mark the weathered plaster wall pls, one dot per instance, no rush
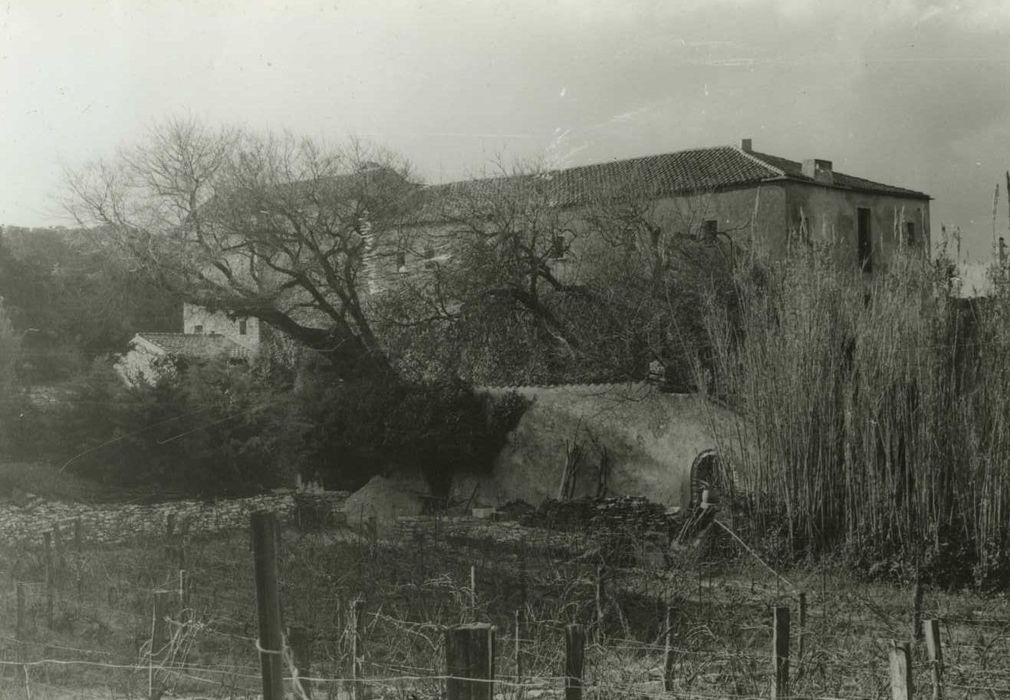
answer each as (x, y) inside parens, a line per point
(652, 439)
(220, 323)
(831, 216)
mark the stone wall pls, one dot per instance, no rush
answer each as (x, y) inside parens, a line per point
(111, 524)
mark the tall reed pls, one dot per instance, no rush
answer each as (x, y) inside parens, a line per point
(875, 412)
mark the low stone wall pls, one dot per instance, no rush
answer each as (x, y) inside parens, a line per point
(123, 523)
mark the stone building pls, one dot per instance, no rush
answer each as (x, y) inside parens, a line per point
(728, 192)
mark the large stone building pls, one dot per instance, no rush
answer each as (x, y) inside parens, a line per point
(729, 193)
(733, 192)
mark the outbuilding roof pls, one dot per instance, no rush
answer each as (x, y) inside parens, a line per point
(195, 345)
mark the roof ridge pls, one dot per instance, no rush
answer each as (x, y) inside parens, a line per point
(751, 156)
(612, 161)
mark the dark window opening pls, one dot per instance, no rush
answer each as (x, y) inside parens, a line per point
(242, 327)
(401, 262)
(864, 240)
(429, 253)
(198, 329)
(558, 246)
(710, 229)
(909, 233)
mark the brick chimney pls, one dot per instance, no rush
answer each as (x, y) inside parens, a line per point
(746, 146)
(819, 170)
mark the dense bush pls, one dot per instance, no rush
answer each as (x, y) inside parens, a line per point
(215, 428)
(438, 428)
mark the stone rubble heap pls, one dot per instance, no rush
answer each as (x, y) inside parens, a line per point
(621, 514)
(108, 524)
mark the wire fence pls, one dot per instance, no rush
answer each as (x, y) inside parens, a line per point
(99, 622)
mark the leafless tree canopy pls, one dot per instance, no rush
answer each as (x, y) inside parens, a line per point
(274, 227)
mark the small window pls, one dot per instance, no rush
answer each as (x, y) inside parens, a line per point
(429, 257)
(558, 246)
(198, 329)
(909, 233)
(710, 229)
(242, 327)
(401, 262)
(864, 240)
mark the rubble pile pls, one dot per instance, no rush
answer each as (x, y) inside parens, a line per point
(619, 514)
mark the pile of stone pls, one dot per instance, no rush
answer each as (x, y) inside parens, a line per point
(128, 522)
(620, 514)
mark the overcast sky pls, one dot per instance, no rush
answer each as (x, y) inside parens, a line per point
(909, 93)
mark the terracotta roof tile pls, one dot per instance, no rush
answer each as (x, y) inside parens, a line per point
(695, 170)
(195, 345)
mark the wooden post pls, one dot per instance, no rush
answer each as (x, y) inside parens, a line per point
(600, 593)
(469, 662)
(575, 655)
(183, 588)
(268, 604)
(901, 671)
(932, 630)
(47, 539)
(518, 648)
(668, 651)
(19, 629)
(157, 642)
(803, 627)
(473, 589)
(917, 610)
(301, 649)
(780, 653)
(357, 628)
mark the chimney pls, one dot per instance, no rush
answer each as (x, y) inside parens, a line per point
(746, 146)
(819, 170)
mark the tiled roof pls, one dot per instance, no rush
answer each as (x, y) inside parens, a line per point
(695, 170)
(794, 171)
(195, 345)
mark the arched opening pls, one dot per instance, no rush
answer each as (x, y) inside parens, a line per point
(707, 473)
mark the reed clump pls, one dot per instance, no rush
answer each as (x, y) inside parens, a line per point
(875, 414)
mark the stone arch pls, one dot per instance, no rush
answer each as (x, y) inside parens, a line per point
(707, 473)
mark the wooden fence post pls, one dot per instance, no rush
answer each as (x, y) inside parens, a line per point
(183, 588)
(301, 649)
(780, 653)
(575, 655)
(357, 629)
(801, 642)
(47, 539)
(473, 589)
(932, 631)
(901, 671)
(19, 629)
(157, 641)
(668, 651)
(917, 610)
(518, 648)
(600, 593)
(469, 662)
(268, 605)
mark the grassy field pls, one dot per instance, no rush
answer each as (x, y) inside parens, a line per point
(99, 641)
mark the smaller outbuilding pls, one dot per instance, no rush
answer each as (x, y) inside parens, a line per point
(151, 355)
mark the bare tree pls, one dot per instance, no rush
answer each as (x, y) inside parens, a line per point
(282, 229)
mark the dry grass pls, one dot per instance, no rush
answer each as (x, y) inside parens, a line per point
(413, 590)
(876, 415)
